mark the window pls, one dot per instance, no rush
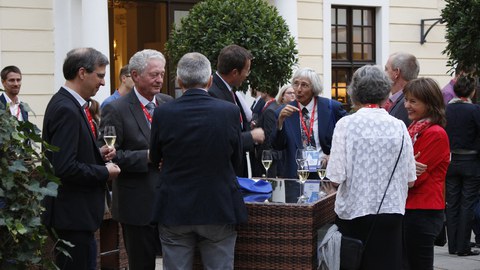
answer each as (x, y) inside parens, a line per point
(353, 46)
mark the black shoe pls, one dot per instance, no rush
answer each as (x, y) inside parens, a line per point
(469, 253)
(472, 244)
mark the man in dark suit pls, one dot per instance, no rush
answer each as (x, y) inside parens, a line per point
(11, 77)
(77, 211)
(294, 131)
(197, 139)
(135, 190)
(256, 108)
(233, 67)
(401, 68)
(268, 122)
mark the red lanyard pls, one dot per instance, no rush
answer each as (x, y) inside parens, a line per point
(18, 108)
(147, 114)
(90, 122)
(267, 104)
(371, 106)
(312, 118)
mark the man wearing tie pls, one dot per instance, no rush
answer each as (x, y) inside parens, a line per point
(135, 191)
(12, 81)
(77, 210)
(233, 67)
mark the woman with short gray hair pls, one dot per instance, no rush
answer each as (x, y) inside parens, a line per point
(365, 148)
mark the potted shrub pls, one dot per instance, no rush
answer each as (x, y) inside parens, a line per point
(252, 24)
(25, 178)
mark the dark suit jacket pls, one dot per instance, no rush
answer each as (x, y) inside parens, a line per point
(257, 109)
(398, 110)
(198, 138)
(22, 108)
(135, 189)
(267, 121)
(220, 90)
(328, 113)
(80, 202)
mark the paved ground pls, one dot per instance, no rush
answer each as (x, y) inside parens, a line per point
(443, 261)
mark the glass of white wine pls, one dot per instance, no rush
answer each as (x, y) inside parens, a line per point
(303, 173)
(322, 171)
(267, 160)
(109, 136)
(300, 155)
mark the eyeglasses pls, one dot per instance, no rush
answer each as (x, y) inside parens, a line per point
(101, 76)
(303, 85)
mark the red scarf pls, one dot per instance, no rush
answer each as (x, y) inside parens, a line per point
(417, 127)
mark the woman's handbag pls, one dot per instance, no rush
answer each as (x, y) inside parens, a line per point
(351, 249)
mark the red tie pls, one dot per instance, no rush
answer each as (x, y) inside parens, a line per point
(235, 101)
(90, 122)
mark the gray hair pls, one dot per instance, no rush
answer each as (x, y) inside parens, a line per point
(370, 84)
(194, 70)
(140, 59)
(407, 64)
(281, 92)
(312, 76)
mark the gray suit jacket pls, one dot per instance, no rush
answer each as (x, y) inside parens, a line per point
(135, 191)
(398, 110)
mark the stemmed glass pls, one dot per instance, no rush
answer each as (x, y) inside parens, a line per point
(109, 136)
(322, 171)
(303, 173)
(300, 155)
(267, 160)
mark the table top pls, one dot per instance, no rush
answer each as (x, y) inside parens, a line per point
(288, 191)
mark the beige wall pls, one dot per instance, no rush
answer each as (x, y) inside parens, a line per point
(403, 34)
(27, 41)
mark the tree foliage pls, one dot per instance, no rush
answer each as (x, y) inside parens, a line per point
(252, 24)
(463, 34)
(25, 178)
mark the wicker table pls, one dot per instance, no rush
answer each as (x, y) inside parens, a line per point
(281, 235)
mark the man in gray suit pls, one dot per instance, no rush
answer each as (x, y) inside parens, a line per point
(136, 189)
(401, 67)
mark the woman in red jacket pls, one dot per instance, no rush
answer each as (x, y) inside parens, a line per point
(426, 199)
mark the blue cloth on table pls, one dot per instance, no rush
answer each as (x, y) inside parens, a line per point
(250, 186)
(256, 197)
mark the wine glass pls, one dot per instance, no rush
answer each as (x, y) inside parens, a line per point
(300, 155)
(267, 160)
(322, 171)
(303, 173)
(109, 136)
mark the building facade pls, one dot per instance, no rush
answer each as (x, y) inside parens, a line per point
(334, 37)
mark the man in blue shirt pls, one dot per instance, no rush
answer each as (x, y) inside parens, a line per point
(126, 85)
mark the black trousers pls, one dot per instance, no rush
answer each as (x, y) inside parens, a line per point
(142, 244)
(462, 185)
(80, 253)
(383, 249)
(421, 227)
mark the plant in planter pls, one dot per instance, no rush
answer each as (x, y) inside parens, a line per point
(463, 34)
(252, 24)
(25, 178)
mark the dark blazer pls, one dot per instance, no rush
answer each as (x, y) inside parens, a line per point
(328, 113)
(22, 108)
(198, 138)
(257, 109)
(80, 202)
(135, 189)
(267, 121)
(220, 90)
(398, 110)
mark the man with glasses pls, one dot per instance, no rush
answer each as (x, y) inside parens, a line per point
(77, 210)
(307, 122)
(126, 85)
